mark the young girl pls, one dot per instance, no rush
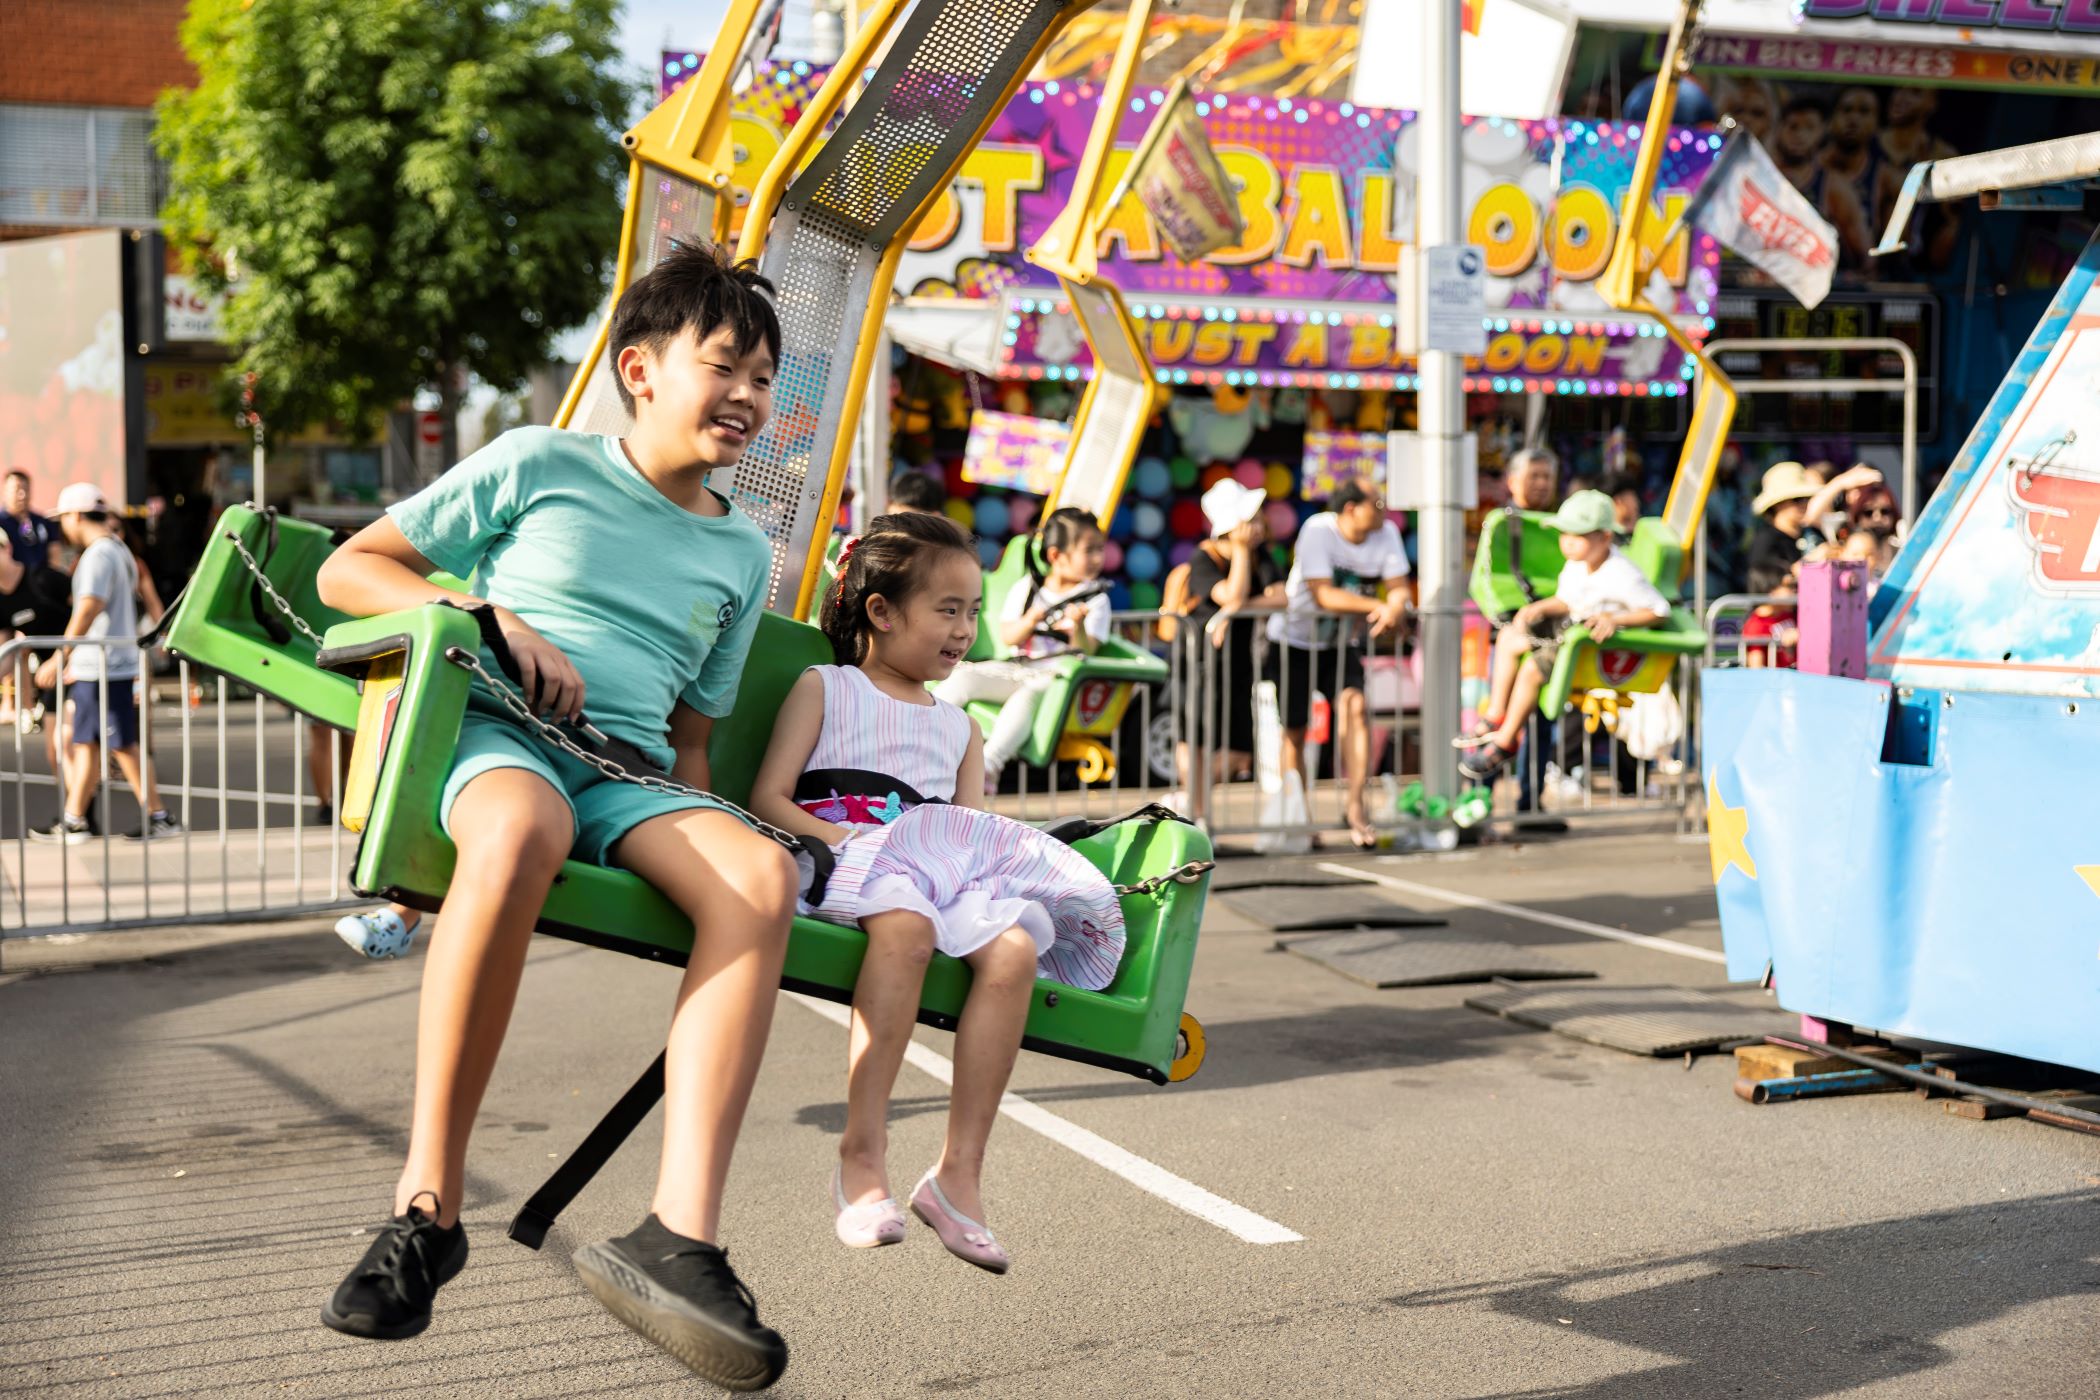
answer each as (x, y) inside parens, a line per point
(1063, 612)
(886, 774)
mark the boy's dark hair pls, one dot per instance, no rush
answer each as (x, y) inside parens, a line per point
(698, 285)
(1617, 484)
(1803, 102)
(14, 472)
(916, 490)
(1353, 492)
(892, 559)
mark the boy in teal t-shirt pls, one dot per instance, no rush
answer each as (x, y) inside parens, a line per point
(620, 582)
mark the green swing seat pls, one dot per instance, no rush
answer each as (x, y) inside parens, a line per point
(1136, 1025)
(1639, 660)
(1116, 662)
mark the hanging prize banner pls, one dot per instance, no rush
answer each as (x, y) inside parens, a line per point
(1016, 451)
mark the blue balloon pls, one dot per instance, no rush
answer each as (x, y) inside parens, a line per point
(991, 515)
(1151, 478)
(1123, 526)
(1118, 597)
(1141, 561)
(1148, 521)
(988, 552)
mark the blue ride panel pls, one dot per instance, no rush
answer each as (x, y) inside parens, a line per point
(1949, 892)
(1998, 587)
(1916, 853)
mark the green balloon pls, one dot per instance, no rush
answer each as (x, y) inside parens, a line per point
(1183, 472)
(1144, 596)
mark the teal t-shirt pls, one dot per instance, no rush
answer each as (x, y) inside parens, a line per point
(652, 603)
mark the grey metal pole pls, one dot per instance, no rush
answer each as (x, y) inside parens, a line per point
(1441, 411)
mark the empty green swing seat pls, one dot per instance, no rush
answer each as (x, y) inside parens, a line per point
(1639, 660)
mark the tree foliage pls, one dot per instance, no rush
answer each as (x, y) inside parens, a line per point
(399, 190)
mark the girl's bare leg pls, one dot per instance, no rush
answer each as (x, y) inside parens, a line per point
(987, 1040)
(885, 1007)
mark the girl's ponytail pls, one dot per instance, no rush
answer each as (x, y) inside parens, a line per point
(890, 560)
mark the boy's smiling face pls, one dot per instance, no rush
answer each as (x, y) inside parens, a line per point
(703, 400)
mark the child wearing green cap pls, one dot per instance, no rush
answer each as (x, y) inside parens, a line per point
(1599, 587)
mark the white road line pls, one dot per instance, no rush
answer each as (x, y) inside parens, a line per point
(1146, 1176)
(1517, 911)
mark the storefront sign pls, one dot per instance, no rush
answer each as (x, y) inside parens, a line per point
(1325, 196)
(1332, 458)
(192, 313)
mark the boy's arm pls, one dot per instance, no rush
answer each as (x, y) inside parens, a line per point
(1555, 606)
(795, 732)
(1340, 600)
(690, 732)
(1602, 626)
(378, 571)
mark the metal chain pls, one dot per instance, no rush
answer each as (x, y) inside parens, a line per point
(1187, 874)
(270, 590)
(619, 772)
(611, 768)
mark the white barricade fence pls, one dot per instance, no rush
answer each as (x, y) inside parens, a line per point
(234, 770)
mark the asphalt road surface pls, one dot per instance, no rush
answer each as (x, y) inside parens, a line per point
(196, 1127)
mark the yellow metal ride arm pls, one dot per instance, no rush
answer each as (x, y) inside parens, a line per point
(1123, 392)
(1624, 286)
(829, 221)
(677, 189)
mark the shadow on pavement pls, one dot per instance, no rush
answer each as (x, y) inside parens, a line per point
(1837, 1309)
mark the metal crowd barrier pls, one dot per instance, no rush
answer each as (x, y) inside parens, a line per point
(231, 767)
(1182, 751)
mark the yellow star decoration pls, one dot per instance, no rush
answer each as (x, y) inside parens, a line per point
(1727, 831)
(2090, 874)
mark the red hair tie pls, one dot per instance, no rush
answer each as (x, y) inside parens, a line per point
(845, 557)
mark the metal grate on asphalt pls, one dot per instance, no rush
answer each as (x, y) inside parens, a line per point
(1638, 1020)
(1274, 872)
(1386, 958)
(1301, 910)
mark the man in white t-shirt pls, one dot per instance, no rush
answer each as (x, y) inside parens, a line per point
(1599, 587)
(1347, 556)
(105, 605)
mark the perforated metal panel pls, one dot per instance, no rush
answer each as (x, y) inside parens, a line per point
(1118, 403)
(902, 139)
(673, 210)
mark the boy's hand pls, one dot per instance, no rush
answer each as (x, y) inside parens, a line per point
(47, 674)
(1388, 617)
(1601, 628)
(550, 681)
(1528, 614)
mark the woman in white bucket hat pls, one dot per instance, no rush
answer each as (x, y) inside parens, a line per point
(1228, 571)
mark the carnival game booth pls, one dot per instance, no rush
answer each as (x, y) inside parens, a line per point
(1910, 850)
(1280, 351)
(829, 236)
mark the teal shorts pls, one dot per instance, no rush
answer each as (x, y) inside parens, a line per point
(601, 809)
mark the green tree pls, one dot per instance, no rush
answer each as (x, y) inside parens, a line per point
(398, 192)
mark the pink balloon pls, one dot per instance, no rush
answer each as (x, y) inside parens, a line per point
(1250, 473)
(1111, 557)
(1020, 513)
(1283, 520)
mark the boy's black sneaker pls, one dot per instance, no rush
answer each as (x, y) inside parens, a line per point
(388, 1294)
(682, 1295)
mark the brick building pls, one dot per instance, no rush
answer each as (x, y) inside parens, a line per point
(80, 77)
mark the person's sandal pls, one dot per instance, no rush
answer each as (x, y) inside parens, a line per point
(1482, 764)
(869, 1224)
(966, 1239)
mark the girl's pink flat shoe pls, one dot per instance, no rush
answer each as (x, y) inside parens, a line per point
(868, 1225)
(966, 1239)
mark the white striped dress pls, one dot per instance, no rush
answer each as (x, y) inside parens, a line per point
(973, 874)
